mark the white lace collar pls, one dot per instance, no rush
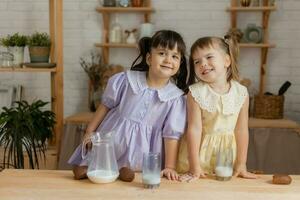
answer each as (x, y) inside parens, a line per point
(138, 83)
(208, 99)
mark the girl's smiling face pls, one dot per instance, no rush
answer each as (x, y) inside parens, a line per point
(163, 62)
(210, 64)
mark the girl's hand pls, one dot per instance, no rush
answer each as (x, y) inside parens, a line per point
(86, 139)
(241, 171)
(190, 176)
(170, 174)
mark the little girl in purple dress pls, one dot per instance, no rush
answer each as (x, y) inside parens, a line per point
(145, 106)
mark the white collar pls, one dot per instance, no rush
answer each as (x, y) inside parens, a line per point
(208, 99)
(138, 83)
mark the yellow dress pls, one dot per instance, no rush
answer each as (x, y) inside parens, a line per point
(219, 117)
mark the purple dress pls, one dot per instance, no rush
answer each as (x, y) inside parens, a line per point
(140, 116)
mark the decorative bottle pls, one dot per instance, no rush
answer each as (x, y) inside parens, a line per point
(115, 35)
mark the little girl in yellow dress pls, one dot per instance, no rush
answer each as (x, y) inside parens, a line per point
(217, 108)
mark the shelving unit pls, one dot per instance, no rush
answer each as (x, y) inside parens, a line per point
(146, 11)
(56, 56)
(265, 45)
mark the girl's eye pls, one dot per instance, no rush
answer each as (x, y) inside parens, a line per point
(161, 53)
(196, 62)
(176, 57)
(209, 57)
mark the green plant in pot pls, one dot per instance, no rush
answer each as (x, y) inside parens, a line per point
(39, 47)
(24, 130)
(15, 45)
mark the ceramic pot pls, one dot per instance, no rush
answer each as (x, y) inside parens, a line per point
(18, 55)
(39, 54)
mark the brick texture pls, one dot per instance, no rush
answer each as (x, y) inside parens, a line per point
(192, 18)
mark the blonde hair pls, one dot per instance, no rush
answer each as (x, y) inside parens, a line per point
(228, 45)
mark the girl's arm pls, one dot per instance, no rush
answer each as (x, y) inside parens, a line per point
(171, 150)
(242, 139)
(194, 132)
(102, 110)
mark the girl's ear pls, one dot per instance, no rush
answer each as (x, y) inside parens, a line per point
(227, 61)
(148, 59)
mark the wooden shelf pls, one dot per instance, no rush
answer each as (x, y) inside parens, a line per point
(116, 45)
(26, 69)
(56, 73)
(265, 9)
(253, 45)
(252, 9)
(106, 16)
(128, 9)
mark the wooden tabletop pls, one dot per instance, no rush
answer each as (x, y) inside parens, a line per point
(52, 184)
(85, 117)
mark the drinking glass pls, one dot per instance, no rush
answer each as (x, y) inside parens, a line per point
(224, 165)
(151, 170)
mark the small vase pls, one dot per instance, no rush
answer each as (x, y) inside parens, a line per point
(245, 3)
(95, 96)
(137, 3)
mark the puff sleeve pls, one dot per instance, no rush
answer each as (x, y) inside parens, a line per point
(175, 122)
(114, 90)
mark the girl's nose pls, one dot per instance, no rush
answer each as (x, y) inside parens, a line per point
(167, 59)
(203, 64)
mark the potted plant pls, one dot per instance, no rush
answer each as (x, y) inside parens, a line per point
(39, 47)
(15, 45)
(24, 129)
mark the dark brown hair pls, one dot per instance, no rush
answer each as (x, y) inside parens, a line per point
(165, 39)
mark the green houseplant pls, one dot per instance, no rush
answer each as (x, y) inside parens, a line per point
(15, 45)
(39, 47)
(24, 129)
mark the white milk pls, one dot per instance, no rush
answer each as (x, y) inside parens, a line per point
(151, 179)
(222, 171)
(102, 176)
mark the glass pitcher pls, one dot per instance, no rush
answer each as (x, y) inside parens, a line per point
(102, 163)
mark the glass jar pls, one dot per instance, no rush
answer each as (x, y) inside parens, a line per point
(115, 34)
(6, 59)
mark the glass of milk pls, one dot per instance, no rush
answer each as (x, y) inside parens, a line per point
(224, 165)
(151, 170)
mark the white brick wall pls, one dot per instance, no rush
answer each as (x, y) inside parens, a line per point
(192, 18)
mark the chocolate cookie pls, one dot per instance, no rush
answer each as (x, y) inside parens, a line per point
(126, 174)
(281, 179)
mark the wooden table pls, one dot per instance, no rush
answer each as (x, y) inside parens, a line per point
(51, 184)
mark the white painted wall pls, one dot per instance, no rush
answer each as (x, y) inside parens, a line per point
(192, 18)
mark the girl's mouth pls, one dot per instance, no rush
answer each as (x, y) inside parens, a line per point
(168, 67)
(206, 71)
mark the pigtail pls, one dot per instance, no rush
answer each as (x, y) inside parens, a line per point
(181, 76)
(233, 51)
(144, 48)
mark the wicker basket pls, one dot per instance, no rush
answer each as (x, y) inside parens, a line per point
(269, 106)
